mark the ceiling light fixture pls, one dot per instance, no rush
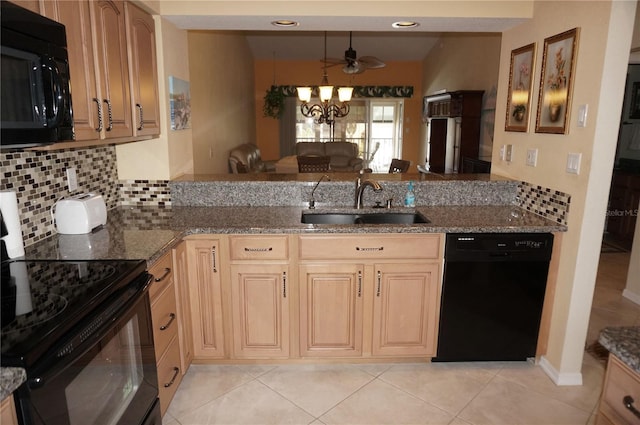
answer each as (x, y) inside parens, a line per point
(405, 24)
(285, 23)
(326, 111)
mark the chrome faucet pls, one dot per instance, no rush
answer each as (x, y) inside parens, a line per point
(361, 186)
(312, 201)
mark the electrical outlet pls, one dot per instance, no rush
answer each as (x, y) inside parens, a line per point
(503, 150)
(532, 157)
(72, 179)
(573, 163)
(509, 153)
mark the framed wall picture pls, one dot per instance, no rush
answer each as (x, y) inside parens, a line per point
(520, 87)
(179, 103)
(556, 81)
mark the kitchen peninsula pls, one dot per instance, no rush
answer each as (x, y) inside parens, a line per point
(229, 213)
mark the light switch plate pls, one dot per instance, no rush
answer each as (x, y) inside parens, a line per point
(509, 153)
(573, 163)
(582, 115)
(532, 157)
(72, 179)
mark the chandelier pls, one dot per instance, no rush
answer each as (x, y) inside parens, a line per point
(326, 111)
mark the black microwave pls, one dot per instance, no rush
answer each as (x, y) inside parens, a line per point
(35, 91)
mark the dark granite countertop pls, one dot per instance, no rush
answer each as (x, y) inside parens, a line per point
(624, 343)
(149, 232)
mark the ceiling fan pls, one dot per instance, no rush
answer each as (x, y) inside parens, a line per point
(354, 64)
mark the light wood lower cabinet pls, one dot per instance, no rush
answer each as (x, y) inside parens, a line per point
(8, 412)
(367, 295)
(621, 386)
(185, 327)
(260, 292)
(405, 309)
(164, 317)
(205, 294)
(331, 305)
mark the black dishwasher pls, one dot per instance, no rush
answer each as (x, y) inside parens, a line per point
(492, 296)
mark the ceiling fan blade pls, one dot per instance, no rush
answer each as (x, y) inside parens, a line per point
(334, 61)
(371, 62)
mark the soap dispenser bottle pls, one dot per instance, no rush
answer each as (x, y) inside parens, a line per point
(410, 196)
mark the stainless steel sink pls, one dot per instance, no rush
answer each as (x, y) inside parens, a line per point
(364, 218)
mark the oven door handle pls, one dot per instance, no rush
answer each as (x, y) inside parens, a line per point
(67, 352)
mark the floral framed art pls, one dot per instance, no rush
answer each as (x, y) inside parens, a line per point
(520, 87)
(556, 81)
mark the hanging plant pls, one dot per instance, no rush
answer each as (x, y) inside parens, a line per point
(273, 103)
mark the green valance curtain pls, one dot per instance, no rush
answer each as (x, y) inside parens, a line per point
(358, 91)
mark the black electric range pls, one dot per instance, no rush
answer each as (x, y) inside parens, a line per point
(42, 300)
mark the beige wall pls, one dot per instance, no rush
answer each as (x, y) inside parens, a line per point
(222, 97)
(603, 51)
(170, 155)
(465, 62)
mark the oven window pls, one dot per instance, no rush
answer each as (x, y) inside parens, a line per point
(104, 388)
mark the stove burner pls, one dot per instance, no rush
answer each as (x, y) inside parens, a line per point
(50, 307)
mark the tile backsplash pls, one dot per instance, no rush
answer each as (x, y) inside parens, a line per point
(39, 179)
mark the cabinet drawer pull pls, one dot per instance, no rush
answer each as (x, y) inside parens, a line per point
(379, 284)
(213, 256)
(284, 284)
(628, 403)
(99, 129)
(167, 272)
(366, 249)
(176, 371)
(359, 283)
(139, 106)
(172, 317)
(110, 114)
(258, 249)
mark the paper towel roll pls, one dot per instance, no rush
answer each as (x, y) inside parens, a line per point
(11, 217)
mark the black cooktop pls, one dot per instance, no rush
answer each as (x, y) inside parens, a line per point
(42, 300)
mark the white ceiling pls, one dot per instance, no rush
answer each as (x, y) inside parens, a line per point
(372, 35)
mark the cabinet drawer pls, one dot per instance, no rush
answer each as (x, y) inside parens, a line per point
(329, 247)
(162, 275)
(621, 381)
(169, 375)
(165, 319)
(259, 247)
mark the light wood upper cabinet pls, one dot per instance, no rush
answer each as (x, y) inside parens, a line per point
(76, 18)
(205, 293)
(405, 309)
(109, 32)
(260, 310)
(143, 71)
(331, 315)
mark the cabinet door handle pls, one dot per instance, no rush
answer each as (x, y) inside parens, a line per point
(258, 249)
(99, 129)
(379, 284)
(628, 403)
(172, 317)
(359, 283)
(167, 272)
(110, 114)
(176, 371)
(365, 249)
(213, 256)
(139, 106)
(284, 284)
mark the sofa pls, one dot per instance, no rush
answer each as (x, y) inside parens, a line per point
(344, 155)
(246, 158)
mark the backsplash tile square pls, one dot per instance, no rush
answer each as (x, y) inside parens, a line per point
(145, 193)
(548, 203)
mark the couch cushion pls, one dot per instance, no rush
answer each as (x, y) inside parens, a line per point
(310, 149)
(346, 149)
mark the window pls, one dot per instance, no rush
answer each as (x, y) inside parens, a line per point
(374, 124)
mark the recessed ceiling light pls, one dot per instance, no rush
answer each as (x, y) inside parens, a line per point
(285, 23)
(405, 24)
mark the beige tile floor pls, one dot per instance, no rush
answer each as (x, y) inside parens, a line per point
(424, 393)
